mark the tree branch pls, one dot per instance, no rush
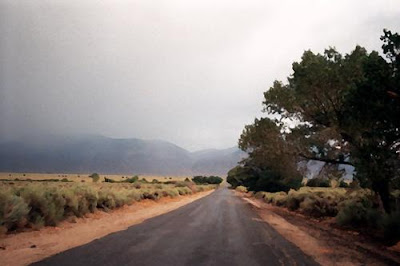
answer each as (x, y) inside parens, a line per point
(332, 161)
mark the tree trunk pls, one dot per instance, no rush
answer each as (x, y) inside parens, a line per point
(382, 188)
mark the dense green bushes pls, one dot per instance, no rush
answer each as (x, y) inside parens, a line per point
(263, 180)
(34, 205)
(207, 180)
(318, 182)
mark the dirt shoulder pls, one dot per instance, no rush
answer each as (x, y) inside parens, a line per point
(27, 247)
(321, 240)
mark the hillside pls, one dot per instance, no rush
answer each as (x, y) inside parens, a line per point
(111, 156)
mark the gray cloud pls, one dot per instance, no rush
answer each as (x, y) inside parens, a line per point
(190, 72)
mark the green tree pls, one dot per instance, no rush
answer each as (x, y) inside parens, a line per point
(346, 110)
(271, 165)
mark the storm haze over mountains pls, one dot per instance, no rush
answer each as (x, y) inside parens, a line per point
(189, 72)
(87, 154)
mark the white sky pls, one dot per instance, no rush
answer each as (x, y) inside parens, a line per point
(189, 72)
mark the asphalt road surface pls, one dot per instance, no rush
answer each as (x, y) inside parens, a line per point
(219, 229)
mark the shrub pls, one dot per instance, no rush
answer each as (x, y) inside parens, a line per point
(87, 199)
(132, 179)
(71, 203)
(152, 196)
(318, 207)
(343, 184)
(159, 186)
(172, 192)
(241, 189)
(279, 199)
(184, 190)
(259, 195)
(355, 208)
(46, 203)
(180, 183)
(106, 200)
(95, 177)
(295, 199)
(318, 182)
(109, 180)
(207, 180)
(358, 212)
(64, 180)
(13, 211)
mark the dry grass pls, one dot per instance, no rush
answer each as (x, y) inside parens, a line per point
(84, 177)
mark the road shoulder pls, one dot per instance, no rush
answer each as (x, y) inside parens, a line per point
(323, 244)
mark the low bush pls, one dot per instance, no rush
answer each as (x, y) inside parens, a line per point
(241, 189)
(184, 190)
(318, 207)
(358, 212)
(26, 204)
(131, 179)
(294, 199)
(342, 183)
(13, 211)
(318, 182)
(355, 208)
(109, 180)
(95, 177)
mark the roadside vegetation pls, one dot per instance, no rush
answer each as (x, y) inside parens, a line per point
(36, 204)
(215, 180)
(353, 209)
(341, 110)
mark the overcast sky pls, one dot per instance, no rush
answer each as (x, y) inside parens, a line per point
(189, 72)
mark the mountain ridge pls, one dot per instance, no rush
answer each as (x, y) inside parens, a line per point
(113, 156)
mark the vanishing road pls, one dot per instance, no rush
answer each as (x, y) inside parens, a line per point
(219, 229)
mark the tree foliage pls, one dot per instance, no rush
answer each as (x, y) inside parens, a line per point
(207, 180)
(340, 109)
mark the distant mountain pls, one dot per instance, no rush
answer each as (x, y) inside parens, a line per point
(113, 156)
(216, 161)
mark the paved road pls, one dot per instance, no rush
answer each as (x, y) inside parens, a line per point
(219, 229)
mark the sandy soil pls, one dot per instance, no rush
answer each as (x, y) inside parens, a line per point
(327, 245)
(27, 247)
